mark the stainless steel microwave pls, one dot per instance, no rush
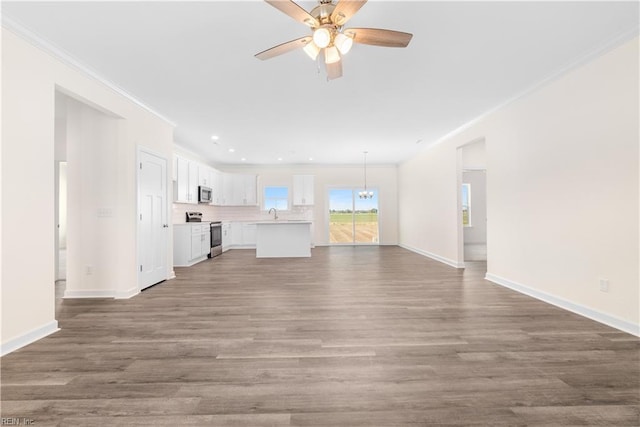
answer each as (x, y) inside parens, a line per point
(205, 194)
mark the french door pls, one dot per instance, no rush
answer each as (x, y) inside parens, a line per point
(352, 220)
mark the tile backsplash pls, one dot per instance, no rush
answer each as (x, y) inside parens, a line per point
(236, 213)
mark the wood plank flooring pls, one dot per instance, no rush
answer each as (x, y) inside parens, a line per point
(353, 336)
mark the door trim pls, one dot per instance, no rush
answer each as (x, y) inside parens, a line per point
(141, 149)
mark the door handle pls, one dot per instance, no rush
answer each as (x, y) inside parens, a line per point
(165, 225)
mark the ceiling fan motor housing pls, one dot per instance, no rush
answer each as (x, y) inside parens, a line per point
(323, 12)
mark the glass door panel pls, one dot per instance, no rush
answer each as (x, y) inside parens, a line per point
(351, 219)
(340, 216)
(366, 218)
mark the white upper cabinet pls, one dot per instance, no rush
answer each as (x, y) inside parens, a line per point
(193, 182)
(249, 190)
(303, 190)
(227, 189)
(185, 186)
(216, 186)
(239, 189)
(205, 176)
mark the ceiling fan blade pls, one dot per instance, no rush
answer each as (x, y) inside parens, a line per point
(345, 9)
(292, 9)
(334, 70)
(379, 37)
(283, 48)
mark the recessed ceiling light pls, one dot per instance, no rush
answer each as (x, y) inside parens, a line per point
(310, 159)
(279, 159)
(231, 150)
(215, 137)
(243, 159)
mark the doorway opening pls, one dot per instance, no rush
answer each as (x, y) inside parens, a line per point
(472, 202)
(474, 214)
(353, 220)
(60, 198)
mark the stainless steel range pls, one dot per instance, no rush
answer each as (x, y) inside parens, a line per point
(216, 233)
(216, 239)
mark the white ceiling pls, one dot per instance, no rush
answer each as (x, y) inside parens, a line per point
(193, 63)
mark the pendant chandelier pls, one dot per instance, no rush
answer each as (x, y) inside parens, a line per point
(365, 194)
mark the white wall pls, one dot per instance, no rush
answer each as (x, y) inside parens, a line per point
(428, 191)
(30, 79)
(474, 155)
(92, 140)
(562, 191)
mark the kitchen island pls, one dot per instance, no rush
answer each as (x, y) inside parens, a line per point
(283, 239)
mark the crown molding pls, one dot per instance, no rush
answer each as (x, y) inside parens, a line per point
(604, 47)
(67, 59)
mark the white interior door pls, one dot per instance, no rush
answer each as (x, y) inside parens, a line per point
(153, 228)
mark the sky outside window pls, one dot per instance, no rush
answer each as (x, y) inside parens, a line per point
(276, 197)
(342, 200)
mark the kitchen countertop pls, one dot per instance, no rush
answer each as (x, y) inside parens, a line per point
(283, 221)
(194, 223)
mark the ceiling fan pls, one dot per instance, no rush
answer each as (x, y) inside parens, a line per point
(328, 33)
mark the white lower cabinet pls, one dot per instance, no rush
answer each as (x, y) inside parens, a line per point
(236, 234)
(249, 234)
(243, 234)
(191, 243)
(226, 236)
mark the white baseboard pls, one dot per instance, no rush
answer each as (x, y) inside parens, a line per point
(192, 262)
(28, 338)
(88, 294)
(587, 312)
(127, 294)
(439, 258)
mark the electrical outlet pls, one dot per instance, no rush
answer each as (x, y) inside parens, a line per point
(89, 270)
(604, 285)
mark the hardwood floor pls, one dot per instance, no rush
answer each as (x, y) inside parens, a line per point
(364, 336)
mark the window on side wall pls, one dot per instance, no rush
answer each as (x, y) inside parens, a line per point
(466, 205)
(276, 197)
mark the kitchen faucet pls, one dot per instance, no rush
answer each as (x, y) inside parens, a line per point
(275, 213)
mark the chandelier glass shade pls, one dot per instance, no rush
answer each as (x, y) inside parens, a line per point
(365, 194)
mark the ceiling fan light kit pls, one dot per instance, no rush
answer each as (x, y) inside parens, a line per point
(327, 21)
(331, 55)
(322, 37)
(343, 43)
(312, 50)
